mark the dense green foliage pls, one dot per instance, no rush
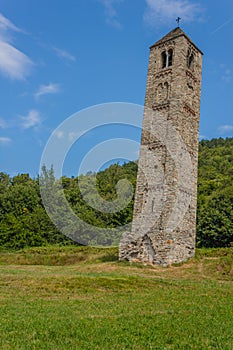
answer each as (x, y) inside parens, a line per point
(24, 221)
(83, 298)
(215, 193)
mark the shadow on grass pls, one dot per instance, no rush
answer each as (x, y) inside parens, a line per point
(109, 258)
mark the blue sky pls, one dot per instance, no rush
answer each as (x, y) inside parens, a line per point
(59, 57)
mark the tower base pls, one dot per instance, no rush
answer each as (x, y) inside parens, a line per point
(143, 250)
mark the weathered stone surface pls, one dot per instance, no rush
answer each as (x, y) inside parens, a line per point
(164, 220)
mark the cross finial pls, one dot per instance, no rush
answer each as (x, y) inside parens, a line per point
(178, 21)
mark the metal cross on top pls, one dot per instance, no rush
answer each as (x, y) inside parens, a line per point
(178, 21)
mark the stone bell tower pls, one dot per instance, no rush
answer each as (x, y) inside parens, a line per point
(164, 219)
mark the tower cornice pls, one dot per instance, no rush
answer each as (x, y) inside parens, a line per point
(175, 33)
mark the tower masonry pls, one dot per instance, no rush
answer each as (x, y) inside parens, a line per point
(164, 219)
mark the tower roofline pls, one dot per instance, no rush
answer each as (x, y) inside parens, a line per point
(175, 33)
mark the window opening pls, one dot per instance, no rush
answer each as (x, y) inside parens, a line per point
(170, 57)
(164, 59)
(190, 60)
(167, 57)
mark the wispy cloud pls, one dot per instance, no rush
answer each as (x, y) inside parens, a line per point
(165, 11)
(59, 134)
(3, 124)
(71, 136)
(31, 120)
(5, 140)
(14, 63)
(227, 76)
(64, 54)
(48, 89)
(226, 73)
(225, 129)
(222, 25)
(74, 135)
(6, 25)
(110, 12)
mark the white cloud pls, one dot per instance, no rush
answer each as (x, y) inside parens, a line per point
(224, 129)
(227, 75)
(5, 140)
(5, 27)
(31, 120)
(71, 136)
(166, 11)
(47, 89)
(111, 13)
(74, 135)
(13, 63)
(64, 54)
(59, 134)
(3, 123)
(7, 24)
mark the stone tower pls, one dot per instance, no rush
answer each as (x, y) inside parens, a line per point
(164, 220)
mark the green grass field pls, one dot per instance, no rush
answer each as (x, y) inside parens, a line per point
(83, 298)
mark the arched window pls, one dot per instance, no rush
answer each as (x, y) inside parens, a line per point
(167, 57)
(190, 60)
(160, 93)
(166, 89)
(170, 57)
(164, 59)
(188, 55)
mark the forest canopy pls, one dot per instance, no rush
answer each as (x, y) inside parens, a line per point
(24, 221)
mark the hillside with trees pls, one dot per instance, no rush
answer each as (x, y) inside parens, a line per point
(215, 193)
(24, 221)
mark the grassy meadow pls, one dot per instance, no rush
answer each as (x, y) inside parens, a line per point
(60, 298)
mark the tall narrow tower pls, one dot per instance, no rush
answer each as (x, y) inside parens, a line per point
(164, 219)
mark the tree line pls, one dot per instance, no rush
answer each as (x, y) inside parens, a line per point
(24, 221)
